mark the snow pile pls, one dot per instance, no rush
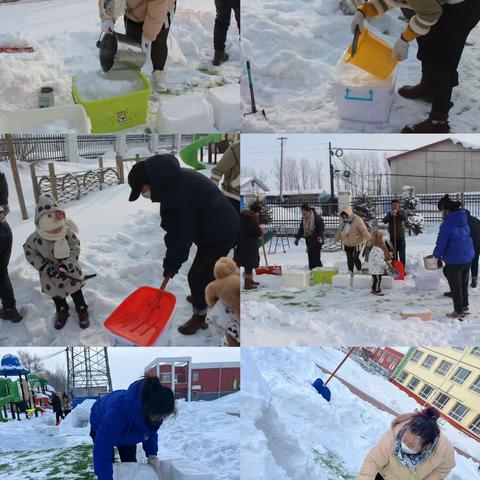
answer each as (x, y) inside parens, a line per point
(13, 40)
(78, 418)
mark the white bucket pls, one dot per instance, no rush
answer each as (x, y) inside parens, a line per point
(361, 97)
(430, 262)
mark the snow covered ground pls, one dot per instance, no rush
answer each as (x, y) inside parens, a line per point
(64, 35)
(203, 432)
(294, 47)
(291, 432)
(122, 243)
(323, 314)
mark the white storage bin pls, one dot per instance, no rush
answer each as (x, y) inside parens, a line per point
(296, 279)
(362, 97)
(427, 281)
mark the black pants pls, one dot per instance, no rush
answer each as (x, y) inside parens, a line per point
(440, 51)
(58, 416)
(377, 283)
(401, 245)
(379, 477)
(201, 273)
(474, 266)
(314, 253)
(222, 21)
(128, 453)
(353, 258)
(6, 289)
(78, 300)
(457, 276)
(159, 52)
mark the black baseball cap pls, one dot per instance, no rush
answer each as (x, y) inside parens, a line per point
(137, 178)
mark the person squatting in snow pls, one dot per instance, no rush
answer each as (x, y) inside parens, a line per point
(193, 211)
(441, 28)
(414, 447)
(353, 233)
(379, 261)
(9, 305)
(250, 234)
(455, 248)
(54, 250)
(146, 22)
(124, 418)
(226, 290)
(312, 229)
(222, 23)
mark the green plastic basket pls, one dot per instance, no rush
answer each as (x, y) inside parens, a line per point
(116, 113)
(324, 276)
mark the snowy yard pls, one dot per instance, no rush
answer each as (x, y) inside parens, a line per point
(64, 35)
(292, 433)
(294, 48)
(275, 315)
(203, 432)
(121, 242)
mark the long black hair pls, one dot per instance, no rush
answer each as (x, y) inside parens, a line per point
(424, 425)
(158, 399)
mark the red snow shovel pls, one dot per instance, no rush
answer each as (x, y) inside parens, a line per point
(14, 49)
(397, 264)
(143, 315)
(268, 270)
(321, 387)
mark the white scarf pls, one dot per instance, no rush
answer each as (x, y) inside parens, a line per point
(61, 249)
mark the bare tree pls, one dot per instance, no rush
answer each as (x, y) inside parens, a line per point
(58, 379)
(305, 174)
(31, 361)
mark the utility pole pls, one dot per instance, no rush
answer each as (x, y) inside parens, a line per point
(282, 140)
(332, 186)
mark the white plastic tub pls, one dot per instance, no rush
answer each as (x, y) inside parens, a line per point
(427, 280)
(67, 119)
(361, 97)
(296, 279)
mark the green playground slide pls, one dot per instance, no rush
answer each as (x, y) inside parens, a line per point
(8, 394)
(189, 154)
(5, 401)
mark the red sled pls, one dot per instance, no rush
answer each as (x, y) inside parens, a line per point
(17, 49)
(399, 266)
(270, 270)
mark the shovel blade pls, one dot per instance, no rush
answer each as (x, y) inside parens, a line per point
(322, 389)
(270, 270)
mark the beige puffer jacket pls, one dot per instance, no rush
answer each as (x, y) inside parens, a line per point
(229, 168)
(152, 13)
(381, 459)
(356, 234)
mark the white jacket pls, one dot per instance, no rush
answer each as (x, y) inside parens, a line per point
(376, 261)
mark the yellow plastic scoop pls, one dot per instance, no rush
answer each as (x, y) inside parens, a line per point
(371, 54)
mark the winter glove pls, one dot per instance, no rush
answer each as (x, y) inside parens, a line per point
(358, 21)
(62, 271)
(168, 275)
(155, 463)
(295, 241)
(320, 240)
(108, 26)
(51, 271)
(146, 45)
(400, 49)
(5, 208)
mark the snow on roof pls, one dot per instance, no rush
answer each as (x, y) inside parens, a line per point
(246, 182)
(473, 146)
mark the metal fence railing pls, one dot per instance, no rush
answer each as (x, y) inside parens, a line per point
(92, 146)
(34, 148)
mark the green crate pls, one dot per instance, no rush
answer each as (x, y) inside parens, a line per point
(324, 276)
(116, 113)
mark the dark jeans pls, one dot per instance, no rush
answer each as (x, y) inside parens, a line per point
(6, 289)
(201, 273)
(441, 50)
(78, 300)
(314, 253)
(353, 258)
(457, 276)
(159, 52)
(377, 283)
(222, 21)
(128, 453)
(401, 245)
(474, 266)
(58, 416)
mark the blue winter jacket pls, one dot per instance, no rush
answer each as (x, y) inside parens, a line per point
(454, 243)
(117, 419)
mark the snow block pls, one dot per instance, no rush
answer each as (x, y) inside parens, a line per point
(427, 281)
(138, 471)
(296, 279)
(422, 313)
(323, 275)
(225, 102)
(187, 470)
(185, 113)
(166, 458)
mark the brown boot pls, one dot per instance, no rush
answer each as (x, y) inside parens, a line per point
(219, 58)
(193, 325)
(255, 283)
(435, 123)
(249, 284)
(83, 319)
(11, 314)
(61, 318)
(416, 92)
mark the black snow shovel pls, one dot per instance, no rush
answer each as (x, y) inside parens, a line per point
(321, 387)
(356, 36)
(252, 95)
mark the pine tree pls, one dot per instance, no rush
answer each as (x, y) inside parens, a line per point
(364, 206)
(409, 202)
(266, 216)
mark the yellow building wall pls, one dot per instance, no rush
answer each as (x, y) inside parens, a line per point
(443, 384)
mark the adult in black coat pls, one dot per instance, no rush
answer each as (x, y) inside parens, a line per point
(250, 232)
(56, 402)
(474, 224)
(193, 211)
(9, 309)
(396, 219)
(311, 228)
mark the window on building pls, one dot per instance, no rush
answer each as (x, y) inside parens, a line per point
(475, 425)
(476, 385)
(426, 391)
(475, 351)
(414, 382)
(195, 376)
(461, 375)
(165, 378)
(441, 401)
(416, 356)
(402, 377)
(443, 368)
(460, 349)
(458, 412)
(429, 361)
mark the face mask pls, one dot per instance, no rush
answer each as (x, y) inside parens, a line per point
(407, 450)
(147, 195)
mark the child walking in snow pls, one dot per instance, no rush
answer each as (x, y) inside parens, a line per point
(378, 261)
(54, 249)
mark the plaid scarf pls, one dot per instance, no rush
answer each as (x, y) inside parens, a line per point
(412, 461)
(309, 224)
